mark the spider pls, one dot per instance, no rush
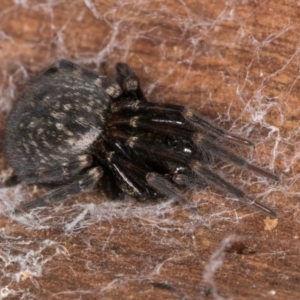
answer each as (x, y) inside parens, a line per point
(74, 130)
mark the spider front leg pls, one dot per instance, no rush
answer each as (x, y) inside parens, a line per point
(169, 127)
(180, 112)
(220, 183)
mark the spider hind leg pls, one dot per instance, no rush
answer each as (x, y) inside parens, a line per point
(66, 67)
(10, 181)
(84, 182)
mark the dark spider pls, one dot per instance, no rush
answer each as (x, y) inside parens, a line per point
(74, 130)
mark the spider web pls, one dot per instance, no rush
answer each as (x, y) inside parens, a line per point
(235, 62)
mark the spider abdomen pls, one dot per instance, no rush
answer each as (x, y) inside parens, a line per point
(58, 118)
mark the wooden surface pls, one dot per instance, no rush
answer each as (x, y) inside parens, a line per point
(237, 62)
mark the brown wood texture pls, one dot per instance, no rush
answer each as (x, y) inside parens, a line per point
(236, 62)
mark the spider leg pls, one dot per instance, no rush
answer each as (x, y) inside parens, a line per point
(181, 112)
(10, 181)
(227, 155)
(132, 185)
(190, 179)
(135, 177)
(139, 178)
(67, 66)
(109, 187)
(201, 122)
(62, 172)
(164, 186)
(169, 127)
(127, 175)
(220, 183)
(64, 66)
(84, 182)
(202, 171)
(129, 82)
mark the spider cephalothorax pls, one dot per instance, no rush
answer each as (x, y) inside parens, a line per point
(74, 131)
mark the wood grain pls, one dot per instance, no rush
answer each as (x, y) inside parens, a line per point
(235, 62)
